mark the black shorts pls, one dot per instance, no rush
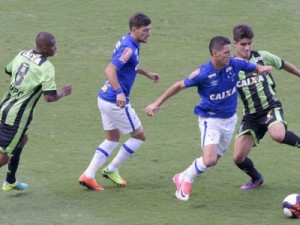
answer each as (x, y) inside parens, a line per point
(10, 138)
(257, 124)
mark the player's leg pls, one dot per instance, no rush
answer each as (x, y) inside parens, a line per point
(14, 161)
(111, 141)
(16, 140)
(242, 146)
(210, 139)
(278, 129)
(129, 122)
(3, 159)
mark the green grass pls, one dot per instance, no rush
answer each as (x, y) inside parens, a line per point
(63, 135)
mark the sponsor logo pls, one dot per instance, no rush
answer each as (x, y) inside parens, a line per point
(210, 76)
(250, 81)
(126, 55)
(214, 83)
(223, 95)
(269, 117)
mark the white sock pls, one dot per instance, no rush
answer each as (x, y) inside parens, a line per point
(100, 157)
(125, 152)
(195, 169)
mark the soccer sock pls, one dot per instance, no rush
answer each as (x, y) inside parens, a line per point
(125, 152)
(13, 166)
(195, 169)
(248, 167)
(291, 139)
(100, 157)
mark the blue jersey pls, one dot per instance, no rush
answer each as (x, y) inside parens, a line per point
(217, 88)
(126, 58)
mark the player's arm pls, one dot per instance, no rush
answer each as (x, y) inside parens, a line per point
(171, 91)
(111, 75)
(52, 96)
(151, 75)
(263, 70)
(291, 68)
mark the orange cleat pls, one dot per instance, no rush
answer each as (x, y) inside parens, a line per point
(90, 183)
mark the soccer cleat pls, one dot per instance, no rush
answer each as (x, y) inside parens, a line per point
(252, 184)
(90, 183)
(177, 182)
(18, 186)
(184, 192)
(114, 177)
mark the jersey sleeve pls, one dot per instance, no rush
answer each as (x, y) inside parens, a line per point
(48, 83)
(122, 56)
(244, 65)
(192, 79)
(271, 59)
(8, 68)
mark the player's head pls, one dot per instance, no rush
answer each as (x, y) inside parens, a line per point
(45, 44)
(219, 48)
(242, 31)
(243, 35)
(140, 26)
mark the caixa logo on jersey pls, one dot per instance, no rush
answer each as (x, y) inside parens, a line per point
(223, 94)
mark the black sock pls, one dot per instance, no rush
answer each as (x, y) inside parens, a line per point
(13, 166)
(291, 139)
(248, 167)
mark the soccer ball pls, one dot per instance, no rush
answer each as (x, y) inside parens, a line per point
(291, 206)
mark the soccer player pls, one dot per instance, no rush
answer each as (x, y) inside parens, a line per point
(118, 117)
(216, 84)
(32, 75)
(262, 110)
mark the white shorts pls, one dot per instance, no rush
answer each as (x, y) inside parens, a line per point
(217, 131)
(114, 117)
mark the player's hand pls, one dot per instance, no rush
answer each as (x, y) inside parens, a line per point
(151, 109)
(67, 89)
(154, 76)
(264, 70)
(121, 100)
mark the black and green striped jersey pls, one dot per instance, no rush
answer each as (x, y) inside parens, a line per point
(31, 74)
(257, 92)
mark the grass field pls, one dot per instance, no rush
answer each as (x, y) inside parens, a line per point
(63, 135)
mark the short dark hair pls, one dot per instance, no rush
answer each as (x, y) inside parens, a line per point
(241, 31)
(217, 42)
(139, 20)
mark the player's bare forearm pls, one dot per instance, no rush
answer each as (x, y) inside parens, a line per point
(291, 68)
(151, 75)
(171, 91)
(65, 91)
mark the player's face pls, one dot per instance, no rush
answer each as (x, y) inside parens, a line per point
(222, 56)
(141, 34)
(243, 48)
(50, 49)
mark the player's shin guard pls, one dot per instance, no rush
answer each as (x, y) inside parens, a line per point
(125, 152)
(291, 139)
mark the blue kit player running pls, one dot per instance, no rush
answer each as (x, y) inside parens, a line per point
(216, 83)
(118, 117)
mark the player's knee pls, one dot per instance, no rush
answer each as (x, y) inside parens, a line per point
(3, 159)
(238, 158)
(278, 137)
(210, 162)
